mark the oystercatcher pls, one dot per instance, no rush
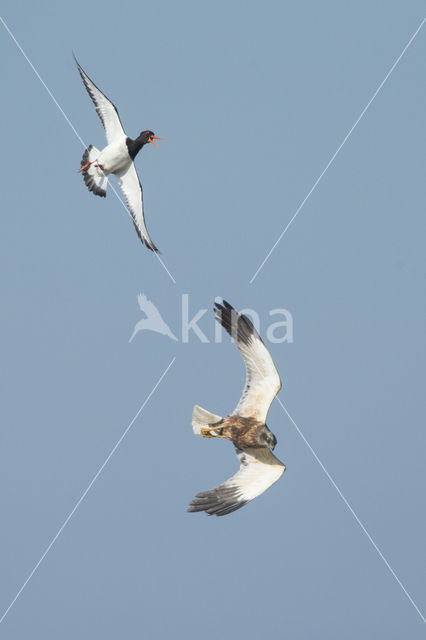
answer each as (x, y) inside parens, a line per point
(117, 158)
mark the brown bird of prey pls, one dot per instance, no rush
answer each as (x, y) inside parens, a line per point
(245, 427)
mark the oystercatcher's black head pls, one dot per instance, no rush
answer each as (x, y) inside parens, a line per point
(134, 146)
(148, 136)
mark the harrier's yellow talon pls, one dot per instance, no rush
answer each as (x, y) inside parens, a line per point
(206, 433)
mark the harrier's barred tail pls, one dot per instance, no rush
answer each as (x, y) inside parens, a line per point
(201, 419)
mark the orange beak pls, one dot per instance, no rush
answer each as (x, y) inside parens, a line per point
(152, 138)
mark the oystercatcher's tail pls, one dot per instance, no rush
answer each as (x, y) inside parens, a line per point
(94, 178)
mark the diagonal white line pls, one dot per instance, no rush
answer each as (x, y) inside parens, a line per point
(86, 491)
(330, 162)
(352, 511)
(74, 130)
(42, 81)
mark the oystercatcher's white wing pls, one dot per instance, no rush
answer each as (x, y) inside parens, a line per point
(132, 190)
(259, 469)
(104, 108)
(262, 379)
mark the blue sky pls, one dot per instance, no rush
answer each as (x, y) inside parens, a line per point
(252, 101)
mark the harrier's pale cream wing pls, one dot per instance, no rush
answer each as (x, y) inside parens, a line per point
(259, 469)
(104, 108)
(262, 379)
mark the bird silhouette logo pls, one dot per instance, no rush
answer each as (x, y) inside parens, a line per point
(153, 320)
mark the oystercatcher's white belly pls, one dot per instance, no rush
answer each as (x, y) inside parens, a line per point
(114, 157)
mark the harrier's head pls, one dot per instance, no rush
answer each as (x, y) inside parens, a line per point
(267, 438)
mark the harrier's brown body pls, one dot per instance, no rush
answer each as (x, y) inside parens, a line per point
(242, 432)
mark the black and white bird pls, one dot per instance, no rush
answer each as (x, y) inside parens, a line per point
(117, 158)
(245, 426)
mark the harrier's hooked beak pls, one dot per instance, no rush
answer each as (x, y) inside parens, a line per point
(152, 138)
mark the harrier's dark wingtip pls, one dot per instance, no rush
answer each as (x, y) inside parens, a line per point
(216, 502)
(239, 326)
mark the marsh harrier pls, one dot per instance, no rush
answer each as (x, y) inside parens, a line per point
(245, 427)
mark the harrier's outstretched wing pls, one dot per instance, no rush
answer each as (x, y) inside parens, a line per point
(262, 379)
(259, 469)
(104, 108)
